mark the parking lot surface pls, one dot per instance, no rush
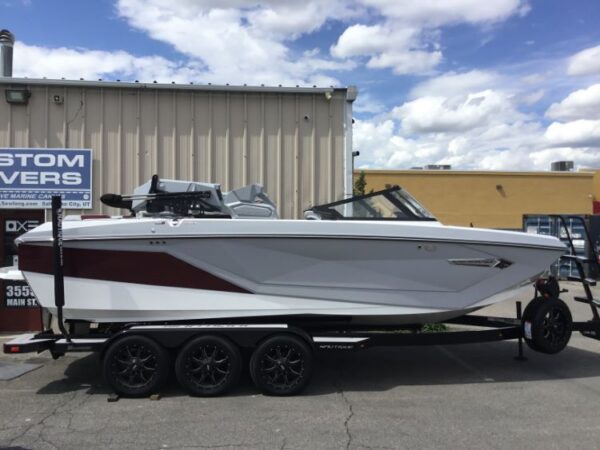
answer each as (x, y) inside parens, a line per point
(464, 396)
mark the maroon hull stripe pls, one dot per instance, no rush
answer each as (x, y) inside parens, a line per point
(157, 269)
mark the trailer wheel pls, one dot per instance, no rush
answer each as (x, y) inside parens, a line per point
(281, 365)
(136, 366)
(208, 366)
(527, 318)
(547, 326)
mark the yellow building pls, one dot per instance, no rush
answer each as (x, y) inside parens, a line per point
(494, 199)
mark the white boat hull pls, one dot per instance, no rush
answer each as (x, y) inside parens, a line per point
(94, 302)
(200, 269)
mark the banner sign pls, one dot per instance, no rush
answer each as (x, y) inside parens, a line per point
(29, 177)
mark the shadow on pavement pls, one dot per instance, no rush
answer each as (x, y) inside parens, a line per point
(83, 373)
(381, 369)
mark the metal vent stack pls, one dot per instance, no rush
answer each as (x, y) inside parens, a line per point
(7, 40)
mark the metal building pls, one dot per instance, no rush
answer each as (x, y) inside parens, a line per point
(297, 142)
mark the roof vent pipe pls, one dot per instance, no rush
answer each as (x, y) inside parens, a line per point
(7, 40)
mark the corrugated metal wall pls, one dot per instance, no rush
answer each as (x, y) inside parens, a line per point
(294, 143)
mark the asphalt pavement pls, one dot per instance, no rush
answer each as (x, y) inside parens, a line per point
(463, 396)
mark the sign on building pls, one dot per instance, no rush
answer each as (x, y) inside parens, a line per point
(18, 294)
(29, 177)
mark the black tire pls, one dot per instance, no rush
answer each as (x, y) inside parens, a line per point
(527, 318)
(281, 365)
(208, 366)
(548, 326)
(136, 366)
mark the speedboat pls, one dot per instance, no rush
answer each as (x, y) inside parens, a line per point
(190, 252)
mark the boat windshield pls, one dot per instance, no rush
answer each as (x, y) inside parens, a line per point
(390, 204)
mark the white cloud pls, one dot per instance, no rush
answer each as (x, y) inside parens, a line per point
(577, 133)
(37, 62)
(239, 42)
(380, 146)
(586, 62)
(583, 157)
(386, 46)
(453, 114)
(436, 13)
(453, 83)
(500, 146)
(289, 19)
(221, 46)
(476, 120)
(469, 120)
(534, 78)
(366, 103)
(360, 39)
(404, 63)
(487, 134)
(509, 150)
(406, 39)
(581, 104)
(504, 146)
(533, 97)
(236, 41)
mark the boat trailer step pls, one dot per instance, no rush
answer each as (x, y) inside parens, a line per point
(593, 301)
(583, 259)
(587, 281)
(593, 334)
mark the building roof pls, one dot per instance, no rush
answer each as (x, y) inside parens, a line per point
(350, 91)
(586, 173)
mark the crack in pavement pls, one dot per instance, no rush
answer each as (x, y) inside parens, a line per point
(45, 441)
(42, 423)
(348, 418)
(350, 415)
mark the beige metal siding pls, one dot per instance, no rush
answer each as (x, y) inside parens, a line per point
(294, 143)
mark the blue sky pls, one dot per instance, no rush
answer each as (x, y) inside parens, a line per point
(499, 84)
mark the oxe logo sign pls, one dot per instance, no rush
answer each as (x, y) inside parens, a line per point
(19, 226)
(29, 177)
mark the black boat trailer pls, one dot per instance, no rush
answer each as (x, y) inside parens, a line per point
(209, 356)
